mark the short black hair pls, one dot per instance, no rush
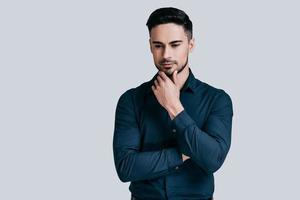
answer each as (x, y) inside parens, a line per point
(170, 15)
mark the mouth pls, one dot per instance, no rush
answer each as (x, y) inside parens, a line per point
(167, 65)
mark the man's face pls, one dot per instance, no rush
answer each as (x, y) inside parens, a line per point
(170, 47)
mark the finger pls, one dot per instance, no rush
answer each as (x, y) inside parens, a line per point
(160, 80)
(163, 75)
(153, 88)
(175, 79)
(156, 84)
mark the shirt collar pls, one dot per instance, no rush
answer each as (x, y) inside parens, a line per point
(189, 85)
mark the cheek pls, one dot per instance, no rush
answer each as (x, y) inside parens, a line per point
(156, 56)
(181, 55)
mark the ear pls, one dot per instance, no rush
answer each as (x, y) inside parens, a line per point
(150, 45)
(191, 44)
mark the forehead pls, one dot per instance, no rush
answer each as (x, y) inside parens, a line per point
(168, 32)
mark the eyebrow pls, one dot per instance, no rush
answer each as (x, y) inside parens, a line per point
(172, 42)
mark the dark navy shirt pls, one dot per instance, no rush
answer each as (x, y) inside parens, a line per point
(148, 145)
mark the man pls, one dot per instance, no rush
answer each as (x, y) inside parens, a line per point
(174, 131)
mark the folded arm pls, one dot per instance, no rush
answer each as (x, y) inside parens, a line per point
(130, 163)
(208, 146)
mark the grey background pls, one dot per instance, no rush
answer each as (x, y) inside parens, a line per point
(64, 65)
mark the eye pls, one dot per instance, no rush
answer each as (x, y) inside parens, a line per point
(175, 45)
(157, 46)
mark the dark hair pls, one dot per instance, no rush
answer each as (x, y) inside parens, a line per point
(171, 15)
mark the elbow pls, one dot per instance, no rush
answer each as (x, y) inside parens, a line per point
(123, 175)
(124, 168)
(123, 178)
(214, 164)
(213, 167)
(217, 159)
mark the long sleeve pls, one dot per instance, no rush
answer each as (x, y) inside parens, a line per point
(130, 163)
(208, 146)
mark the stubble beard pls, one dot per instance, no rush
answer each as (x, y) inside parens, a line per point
(169, 72)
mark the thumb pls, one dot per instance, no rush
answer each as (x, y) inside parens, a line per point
(175, 79)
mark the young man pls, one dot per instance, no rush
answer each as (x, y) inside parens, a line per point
(174, 131)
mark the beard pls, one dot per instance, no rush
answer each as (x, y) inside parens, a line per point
(169, 72)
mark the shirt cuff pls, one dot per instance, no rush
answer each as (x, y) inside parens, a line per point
(174, 158)
(181, 122)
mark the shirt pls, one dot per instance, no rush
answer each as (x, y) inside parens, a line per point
(148, 145)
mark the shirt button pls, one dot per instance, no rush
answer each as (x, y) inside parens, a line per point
(177, 168)
(174, 130)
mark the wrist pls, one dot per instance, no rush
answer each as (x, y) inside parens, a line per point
(175, 110)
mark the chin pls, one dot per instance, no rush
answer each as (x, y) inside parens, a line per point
(168, 72)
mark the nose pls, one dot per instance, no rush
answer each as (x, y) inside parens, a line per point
(166, 53)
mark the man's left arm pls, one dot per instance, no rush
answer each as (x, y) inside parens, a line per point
(208, 146)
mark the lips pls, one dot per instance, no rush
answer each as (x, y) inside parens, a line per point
(167, 65)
